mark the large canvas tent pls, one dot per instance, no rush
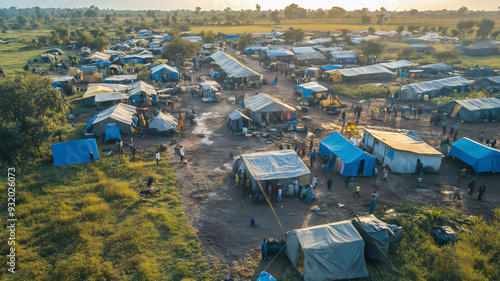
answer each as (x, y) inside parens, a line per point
(258, 105)
(327, 252)
(370, 72)
(237, 120)
(489, 83)
(417, 91)
(346, 158)
(101, 93)
(342, 57)
(402, 65)
(473, 110)
(142, 92)
(233, 68)
(163, 124)
(310, 88)
(480, 157)
(277, 167)
(74, 152)
(164, 72)
(120, 114)
(92, 77)
(401, 151)
(436, 68)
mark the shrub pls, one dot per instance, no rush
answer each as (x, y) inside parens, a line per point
(361, 91)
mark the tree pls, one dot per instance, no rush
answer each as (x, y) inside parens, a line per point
(209, 38)
(382, 9)
(462, 10)
(465, 27)
(406, 53)
(63, 33)
(380, 18)
(400, 29)
(293, 11)
(485, 27)
(336, 12)
(365, 19)
(107, 19)
(413, 12)
(258, 8)
(455, 33)
(495, 34)
(372, 48)
(244, 41)
(275, 16)
(22, 20)
(294, 34)
(92, 12)
(43, 40)
(371, 30)
(446, 55)
(32, 112)
(197, 10)
(180, 46)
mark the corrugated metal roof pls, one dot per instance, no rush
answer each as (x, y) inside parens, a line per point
(479, 104)
(364, 70)
(343, 54)
(437, 85)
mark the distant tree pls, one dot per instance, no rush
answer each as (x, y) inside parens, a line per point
(209, 38)
(372, 48)
(38, 13)
(462, 10)
(413, 12)
(485, 27)
(184, 27)
(400, 29)
(43, 40)
(293, 11)
(406, 53)
(258, 8)
(107, 19)
(63, 33)
(336, 12)
(92, 12)
(446, 55)
(180, 46)
(294, 34)
(275, 16)
(426, 29)
(412, 28)
(151, 14)
(371, 30)
(22, 20)
(32, 112)
(380, 18)
(174, 18)
(365, 19)
(382, 9)
(197, 10)
(244, 41)
(455, 33)
(495, 34)
(120, 34)
(465, 27)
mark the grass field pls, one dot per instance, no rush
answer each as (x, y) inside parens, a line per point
(85, 222)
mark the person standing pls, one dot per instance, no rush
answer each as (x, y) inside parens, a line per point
(358, 188)
(455, 135)
(310, 145)
(91, 155)
(157, 158)
(237, 180)
(264, 249)
(181, 153)
(351, 183)
(288, 146)
(315, 181)
(373, 204)
(280, 147)
(134, 150)
(482, 191)
(303, 151)
(296, 148)
(343, 115)
(419, 180)
(472, 186)
(375, 172)
(461, 175)
(279, 195)
(452, 129)
(481, 137)
(121, 146)
(456, 193)
(444, 130)
(329, 184)
(347, 180)
(252, 221)
(313, 155)
(386, 172)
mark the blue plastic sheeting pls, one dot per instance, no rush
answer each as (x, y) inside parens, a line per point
(330, 67)
(309, 88)
(112, 132)
(279, 53)
(74, 152)
(337, 146)
(480, 157)
(89, 125)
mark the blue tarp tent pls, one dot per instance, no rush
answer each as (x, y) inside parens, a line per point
(330, 67)
(346, 158)
(112, 132)
(74, 152)
(482, 158)
(309, 88)
(164, 72)
(237, 120)
(264, 276)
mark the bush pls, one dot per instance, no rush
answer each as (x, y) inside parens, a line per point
(361, 91)
(458, 96)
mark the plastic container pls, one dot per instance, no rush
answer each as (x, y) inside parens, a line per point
(426, 97)
(245, 130)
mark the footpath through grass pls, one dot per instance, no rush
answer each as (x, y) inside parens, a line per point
(85, 222)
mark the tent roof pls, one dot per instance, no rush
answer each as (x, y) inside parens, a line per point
(116, 87)
(397, 64)
(232, 67)
(494, 79)
(323, 236)
(279, 53)
(343, 54)
(440, 67)
(110, 97)
(117, 78)
(479, 104)
(99, 56)
(364, 70)
(302, 50)
(263, 102)
(207, 84)
(330, 67)
(482, 158)
(437, 85)
(162, 67)
(141, 86)
(314, 86)
(279, 164)
(237, 115)
(310, 56)
(62, 78)
(404, 142)
(343, 148)
(163, 122)
(97, 90)
(120, 112)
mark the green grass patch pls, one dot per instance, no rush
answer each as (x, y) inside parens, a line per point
(85, 222)
(361, 91)
(458, 96)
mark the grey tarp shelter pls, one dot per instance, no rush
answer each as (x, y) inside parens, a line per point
(479, 72)
(163, 124)
(327, 252)
(279, 167)
(261, 103)
(480, 50)
(370, 72)
(310, 58)
(433, 88)
(120, 114)
(376, 232)
(342, 57)
(491, 82)
(237, 120)
(402, 65)
(436, 68)
(233, 68)
(473, 110)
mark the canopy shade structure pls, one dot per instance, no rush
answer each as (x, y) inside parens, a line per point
(309, 88)
(474, 110)
(398, 65)
(310, 56)
(279, 53)
(110, 97)
(282, 166)
(233, 68)
(480, 157)
(92, 91)
(327, 252)
(401, 151)
(433, 88)
(163, 124)
(346, 158)
(74, 152)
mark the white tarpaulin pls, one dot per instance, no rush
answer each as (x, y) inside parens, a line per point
(432, 88)
(163, 123)
(232, 67)
(398, 65)
(265, 103)
(365, 70)
(110, 97)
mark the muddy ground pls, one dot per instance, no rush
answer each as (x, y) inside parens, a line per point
(220, 217)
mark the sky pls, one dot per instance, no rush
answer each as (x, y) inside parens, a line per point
(372, 5)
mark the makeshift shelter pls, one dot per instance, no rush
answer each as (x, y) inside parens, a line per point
(345, 158)
(77, 73)
(401, 65)
(488, 83)
(142, 92)
(93, 91)
(347, 57)
(434, 88)
(436, 68)
(377, 235)
(480, 157)
(370, 72)
(87, 68)
(259, 105)
(310, 88)
(120, 114)
(310, 58)
(130, 78)
(74, 152)
(112, 132)
(163, 124)
(110, 97)
(479, 72)
(327, 252)
(473, 110)
(115, 69)
(279, 54)
(49, 57)
(92, 77)
(273, 168)
(164, 72)
(237, 120)
(480, 50)
(401, 151)
(209, 89)
(233, 68)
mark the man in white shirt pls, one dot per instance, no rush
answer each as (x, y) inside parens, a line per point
(157, 157)
(181, 153)
(315, 181)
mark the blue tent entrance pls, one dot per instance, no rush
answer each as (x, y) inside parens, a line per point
(74, 152)
(112, 132)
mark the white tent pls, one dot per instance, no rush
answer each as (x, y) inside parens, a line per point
(233, 68)
(120, 114)
(163, 124)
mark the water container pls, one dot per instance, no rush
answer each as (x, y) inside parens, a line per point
(245, 130)
(426, 97)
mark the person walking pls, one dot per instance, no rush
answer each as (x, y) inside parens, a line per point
(134, 150)
(347, 180)
(263, 246)
(181, 153)
(452, 129)
(481, 192)
(121, 146)
(456, 193)
(386, 172)
(481, 137)
(296, 148)
(373, 204)
(91, 155)
(357, 190)
(315, 181)
(351, 183)
(461, 175)
(329, 184)
(472, 186)
(157, 158)
(310, 145)
(444, 130)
